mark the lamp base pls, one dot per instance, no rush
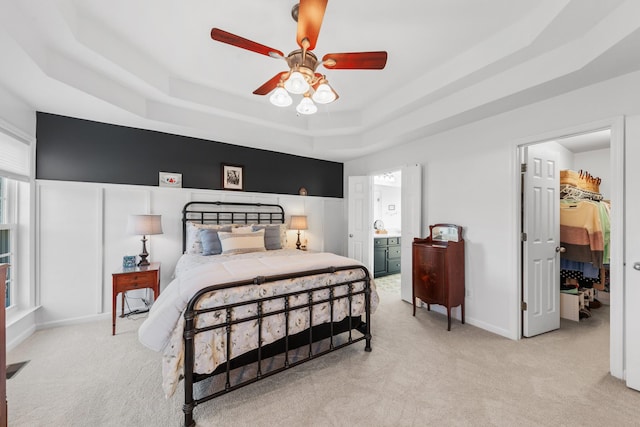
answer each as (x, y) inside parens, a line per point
(144, 254)
(298, 243)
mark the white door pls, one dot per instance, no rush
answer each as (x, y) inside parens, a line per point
(411, 204)
(360, 244)
(541, 223)
(632, 254)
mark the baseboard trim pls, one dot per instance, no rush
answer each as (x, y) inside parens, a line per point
(73, 321)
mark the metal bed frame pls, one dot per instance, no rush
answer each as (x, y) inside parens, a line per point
(350, 330)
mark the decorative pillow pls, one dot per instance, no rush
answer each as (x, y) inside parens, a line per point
(193, 242)
(271, 236)
(283, 235)
(242, 229)
(239, 243)
(210, 241)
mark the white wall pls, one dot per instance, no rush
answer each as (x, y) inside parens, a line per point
(82, 238)
(470, 180)
(596, 162)
(385, 196)
(16, 112)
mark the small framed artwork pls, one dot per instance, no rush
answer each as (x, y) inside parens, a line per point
(170, 179)
(232, 177)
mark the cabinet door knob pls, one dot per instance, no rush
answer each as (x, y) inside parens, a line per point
(350, 235)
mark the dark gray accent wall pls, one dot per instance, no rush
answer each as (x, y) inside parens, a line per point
(71, 149)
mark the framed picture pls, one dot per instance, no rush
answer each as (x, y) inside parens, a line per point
(232, 177)
(170, 179)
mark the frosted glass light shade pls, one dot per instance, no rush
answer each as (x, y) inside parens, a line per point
(280, 98)
(306, 106)
(324, 94)
(296, 83)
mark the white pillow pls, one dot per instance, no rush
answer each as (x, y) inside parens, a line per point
(242, 229)
(239, 243)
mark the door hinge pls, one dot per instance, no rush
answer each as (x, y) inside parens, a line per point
(523, 237)
(523, 306)
(523, 167)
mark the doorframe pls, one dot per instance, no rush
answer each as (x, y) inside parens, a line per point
(616, 326)
(372, 175)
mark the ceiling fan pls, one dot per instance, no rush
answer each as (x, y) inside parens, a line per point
(302, 78)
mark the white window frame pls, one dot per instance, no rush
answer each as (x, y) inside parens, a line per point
(8, 222)
(17, 167)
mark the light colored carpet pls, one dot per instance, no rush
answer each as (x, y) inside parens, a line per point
(417, 374)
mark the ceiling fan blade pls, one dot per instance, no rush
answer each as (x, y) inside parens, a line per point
(270, 85)
(228, 38)
(355, 60)
(310, 15)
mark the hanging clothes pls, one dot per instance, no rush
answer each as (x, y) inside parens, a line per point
(581, 232)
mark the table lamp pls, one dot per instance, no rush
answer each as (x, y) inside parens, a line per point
(144, 225)
(298, 222)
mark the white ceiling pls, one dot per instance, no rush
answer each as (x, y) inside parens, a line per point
(152, 64)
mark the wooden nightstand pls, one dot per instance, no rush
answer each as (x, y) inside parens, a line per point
(134, 278)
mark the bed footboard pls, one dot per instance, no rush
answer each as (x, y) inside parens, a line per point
(332, 334)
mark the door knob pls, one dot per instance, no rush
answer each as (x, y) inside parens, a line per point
(636, 265)
(560, 249)
(350, 235)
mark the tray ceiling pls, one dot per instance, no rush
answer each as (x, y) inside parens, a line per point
(152, 64)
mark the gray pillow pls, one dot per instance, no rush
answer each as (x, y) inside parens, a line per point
(271, 236)
(210, 241)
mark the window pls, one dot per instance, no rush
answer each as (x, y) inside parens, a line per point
(6, 235)
(15, 171)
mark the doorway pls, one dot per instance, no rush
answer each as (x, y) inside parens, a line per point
(360, 207)
(549, 204)
(387, 230)
(606, 160)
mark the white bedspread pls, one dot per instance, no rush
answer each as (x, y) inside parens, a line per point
(195, 272)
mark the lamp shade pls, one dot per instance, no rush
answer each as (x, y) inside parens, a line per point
(144, 225)
(280, 98)
(298, 222)
(296, 83)
(306, 106)
(324, 94)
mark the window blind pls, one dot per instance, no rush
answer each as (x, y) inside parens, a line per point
(15, 158)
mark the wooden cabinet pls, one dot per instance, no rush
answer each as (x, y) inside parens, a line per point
(438, 269)
(386, 256)
(131, 279)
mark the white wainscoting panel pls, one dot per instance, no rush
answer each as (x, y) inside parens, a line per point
(69, 249)
(82, 238)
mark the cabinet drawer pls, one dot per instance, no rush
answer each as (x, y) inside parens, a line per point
(142, 278)
(393, 267)
(380, 242)
(393, 240)
(394, 252)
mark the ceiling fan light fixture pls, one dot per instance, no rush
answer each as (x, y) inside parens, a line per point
(324, 94)
(306, 106)
(280, 97)
(296, 83)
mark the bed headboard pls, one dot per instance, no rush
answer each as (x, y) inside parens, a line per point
(229, 213)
